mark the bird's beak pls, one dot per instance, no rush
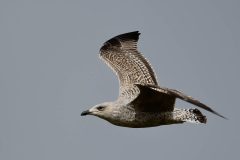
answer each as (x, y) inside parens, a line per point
(84, 113)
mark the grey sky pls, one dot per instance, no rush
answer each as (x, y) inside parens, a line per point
(50, 72)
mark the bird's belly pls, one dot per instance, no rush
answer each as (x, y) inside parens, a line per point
(143, 120)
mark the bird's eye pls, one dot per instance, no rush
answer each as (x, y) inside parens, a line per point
(100, 108)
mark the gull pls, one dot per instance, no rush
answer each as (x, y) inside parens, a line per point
(141, 102)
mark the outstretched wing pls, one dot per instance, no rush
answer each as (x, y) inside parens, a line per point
(121, 55)
(180, 95)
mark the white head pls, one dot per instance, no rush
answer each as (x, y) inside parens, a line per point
(104, 111)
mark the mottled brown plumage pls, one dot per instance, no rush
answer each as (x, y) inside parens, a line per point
(141, 102)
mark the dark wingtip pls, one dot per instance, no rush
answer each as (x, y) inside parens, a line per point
(115, 41)
(220, 115)
(216, 113)
(130, 36)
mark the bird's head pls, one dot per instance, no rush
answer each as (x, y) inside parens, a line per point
(103, 110)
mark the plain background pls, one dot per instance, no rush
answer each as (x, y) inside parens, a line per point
(50, 73)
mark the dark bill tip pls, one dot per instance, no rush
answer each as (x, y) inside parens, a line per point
(84, 113)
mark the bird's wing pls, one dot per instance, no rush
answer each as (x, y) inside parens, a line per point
(184, 97)
(121, 55)
(152, 100)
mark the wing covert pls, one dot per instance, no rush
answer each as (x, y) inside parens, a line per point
(121, 55)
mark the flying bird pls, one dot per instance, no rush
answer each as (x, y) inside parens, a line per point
(141, 102)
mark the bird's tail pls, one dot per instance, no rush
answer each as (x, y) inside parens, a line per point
(189, 115)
